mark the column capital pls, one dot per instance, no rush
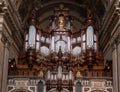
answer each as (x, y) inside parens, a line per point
(5, 40)
(117, 9)
(115, 41)
(3, 5)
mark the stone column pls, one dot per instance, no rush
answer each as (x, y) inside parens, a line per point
(4, 56)
(115, 69)
(5, 67)
(118, 52)
(116, 64)
(1, 60)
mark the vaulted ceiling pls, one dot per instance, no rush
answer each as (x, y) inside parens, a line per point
(78, 10)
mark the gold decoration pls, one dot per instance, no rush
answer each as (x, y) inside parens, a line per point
(40, 73)
(61, 6)
(78, 74)
(98, 85)
(61, 22)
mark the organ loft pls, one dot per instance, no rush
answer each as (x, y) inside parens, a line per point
(59, 46)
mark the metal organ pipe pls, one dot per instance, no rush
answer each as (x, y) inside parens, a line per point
(53, 44)
(69, 44)
(48, 75)
(68, 25)
(59, 72)
(26, 41)
(83, 43)
(37, 43)
(90, 37)
(53, 25)
(70, 75)
(32, 36)
(95, 43)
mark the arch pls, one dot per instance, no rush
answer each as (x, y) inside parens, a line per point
(83, 8)
(78, 87)
(42, 81)
(54, 90)
(40, 86)
(50, 5)
(77, 81)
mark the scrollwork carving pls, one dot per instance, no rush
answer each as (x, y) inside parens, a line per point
(3, 6)
(5, 40)
(115, 41)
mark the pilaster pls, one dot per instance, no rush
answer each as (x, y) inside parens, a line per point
(116, 64)
(5, 66)
(4, 56)
(1, 60)
(1, 49)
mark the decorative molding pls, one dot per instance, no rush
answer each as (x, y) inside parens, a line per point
(110, 27)
(3, 6)
(4, 39)
(11, 24)
(115, 41)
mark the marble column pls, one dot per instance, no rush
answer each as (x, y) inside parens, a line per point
(115, 70)
(4, 56)
(116, 49)
(116, 65)
(119, 65)
(1, 60)
(5, 67)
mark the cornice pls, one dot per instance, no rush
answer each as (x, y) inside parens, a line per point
(11, 22)
(115, 40)
(109, 16)
(109, 25)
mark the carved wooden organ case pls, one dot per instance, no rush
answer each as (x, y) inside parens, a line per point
(60, 54)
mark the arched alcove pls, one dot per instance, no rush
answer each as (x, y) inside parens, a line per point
(78, 87)
(40, 87)
(55, 90)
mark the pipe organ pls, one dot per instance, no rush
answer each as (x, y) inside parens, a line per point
(62, 57)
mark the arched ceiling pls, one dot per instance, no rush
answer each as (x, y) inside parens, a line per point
(77, 9)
